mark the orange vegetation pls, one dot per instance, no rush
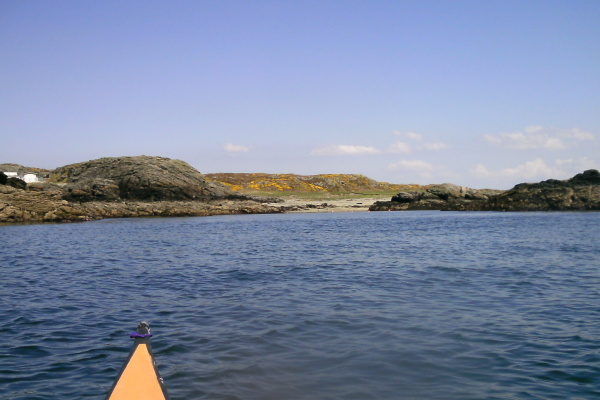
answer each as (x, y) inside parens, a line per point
(292, 183)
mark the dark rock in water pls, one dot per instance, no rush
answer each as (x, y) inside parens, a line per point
(135, 178)
(580, 193)
(434, 197)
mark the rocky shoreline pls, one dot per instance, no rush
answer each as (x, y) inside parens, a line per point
(129, 187)
(580, 193)
(18, 205)
(21, 206)
(122, 187)
(435, 197)
(142, 186)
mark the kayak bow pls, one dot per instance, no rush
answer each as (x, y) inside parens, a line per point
(139, 377)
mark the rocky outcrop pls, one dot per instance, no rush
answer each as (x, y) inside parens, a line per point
(17, 205)
(141, 178)
(123, 187)
(580, 193)
(434, 197)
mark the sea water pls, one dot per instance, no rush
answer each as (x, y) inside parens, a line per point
(390, 305)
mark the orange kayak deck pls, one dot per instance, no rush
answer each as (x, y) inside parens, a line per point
(139, 377)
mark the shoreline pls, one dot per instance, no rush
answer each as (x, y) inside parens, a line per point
(296, 205)
(20, 206)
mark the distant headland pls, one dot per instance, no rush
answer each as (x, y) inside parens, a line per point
(143, 186)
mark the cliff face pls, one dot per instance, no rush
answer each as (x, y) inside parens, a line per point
(135, 178)
(580, 193)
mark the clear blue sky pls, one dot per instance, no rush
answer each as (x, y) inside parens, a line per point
(477, 93)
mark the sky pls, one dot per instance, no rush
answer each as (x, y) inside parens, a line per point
(484, 94)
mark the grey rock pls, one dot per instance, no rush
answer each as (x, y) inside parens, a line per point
(141, 178)
(406, 197)
(434, 197)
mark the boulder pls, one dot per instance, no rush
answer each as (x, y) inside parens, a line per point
(406, 197)
(445, 191)
(16, 183)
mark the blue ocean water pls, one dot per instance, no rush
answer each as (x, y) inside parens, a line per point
(390, 305)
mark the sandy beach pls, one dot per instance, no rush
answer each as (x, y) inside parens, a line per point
(292, 204)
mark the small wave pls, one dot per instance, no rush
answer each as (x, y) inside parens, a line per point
(445, 268)
(30, 351)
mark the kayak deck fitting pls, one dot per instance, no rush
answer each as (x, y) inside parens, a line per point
(139, 378)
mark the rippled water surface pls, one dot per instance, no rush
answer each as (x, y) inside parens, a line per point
(413, 305)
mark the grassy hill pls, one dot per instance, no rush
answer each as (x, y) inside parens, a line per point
(307, 186)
